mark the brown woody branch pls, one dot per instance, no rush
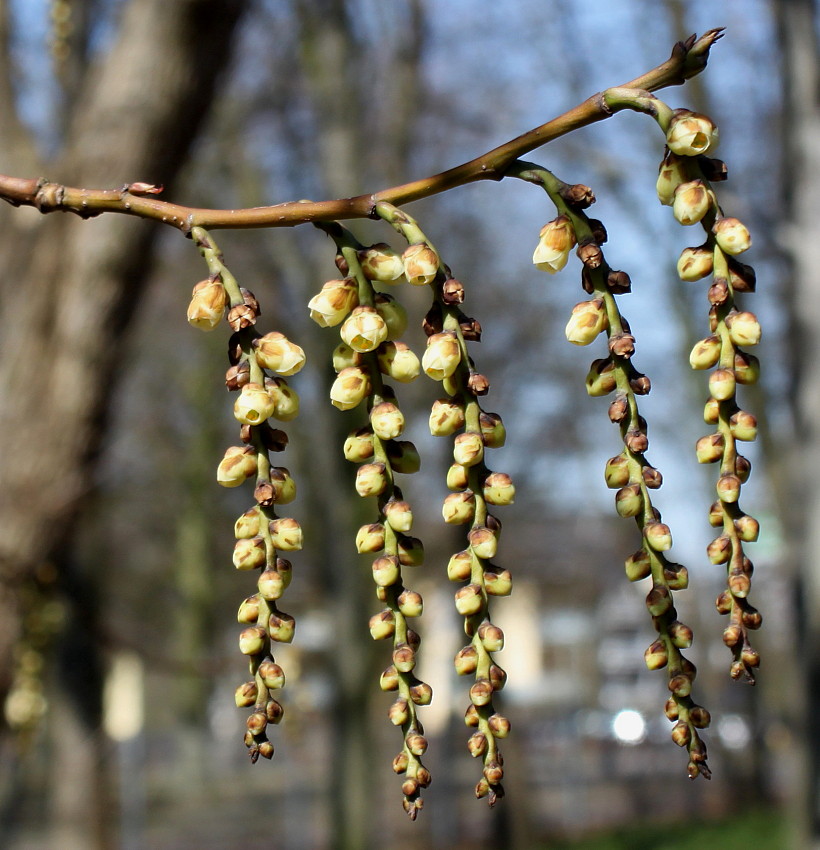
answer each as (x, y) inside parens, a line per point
(688, 59)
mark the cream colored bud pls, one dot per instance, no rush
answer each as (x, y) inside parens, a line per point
(420, 264)
(389, 679)
(397, 361)
(421, 694)
(491, 637)
(370, 538)
(556, 240)
(748, 528)
(271, 585)
(344, 356)
(207, 306)
(237, 466)
(588, 319)
(616, 472)
(744, 328)
(493, 431)
(358, 446)
(284, 487)
(253, 405)
(732, 235)
(393, 313)
(709, 449)
(483, 542)
(248, 610)
(671, 174)
(350, 387)
(446, 417)
(681, 635)
(466, 661)
(728, 487)
(719, 550)
(656, 657)
(705, 353)
(658, 536)
(386, 571)
(722, 384)
(481, 692)
(442, 356)
(252, 640)
(245, 695)
(747, 368)
(600, 379)
(411, 550)
(249, 553)
(499, 489)
(286, 534)
(276, 352)
(272, 675)
(743, 426)
(498, 582)
(364, 329)
(458, 508)
(336, 299)
(410, 603)
(371, 479)
(248, 524)
(399, 712)
(460, 566)
(695, 263)
(711, 411)
(387, 420)
(692, 202)
(382, 625)
(281, 627)
(404, 658)
(399, 515)
(691, 134)
(629, 500)
(468, 449)
(499, 725)
(658, 600)
(457, 477)
(469, 600)
(380, 262)
(285, 399)
(638, 565)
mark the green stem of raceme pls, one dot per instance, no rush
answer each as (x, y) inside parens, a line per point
(688, 59)
(624, 371)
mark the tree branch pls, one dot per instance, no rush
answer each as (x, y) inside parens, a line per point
(688, 59)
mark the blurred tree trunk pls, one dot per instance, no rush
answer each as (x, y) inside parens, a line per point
(69, 290)
(802, 229)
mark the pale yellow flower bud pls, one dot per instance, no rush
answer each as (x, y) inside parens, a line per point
(238, 465)
(483, 542)
(371, 479)
(468, 449)
(458, 508)
(732, 235)
(271, 585)
(387, 420)
(370, 538)
(744, 328)
(248, 524)
(380, 262)
(207, 306)
(398, 362)
(446, 417)
(692, 202)
(588, 319)
(276, 352)
(691, 134)
(670, 175)
(410, 603)
(286, 534)
(456, 477)
(442, 356)
(556, 240)
(272, 675)
(695, 263)
(336, 299)
(252, 640)
(382, 625)
(709, 449)
(658, 536)
(350, 387)
(281, 627)
(499, 489)
(285, 399)
(393, 313)
(254, 405)
(344, 356)
(469, 600)
(420, 264)
(364, 329)
(358, 446)
(386, 571)
(705, 353)
(249, 553)
(399, 515)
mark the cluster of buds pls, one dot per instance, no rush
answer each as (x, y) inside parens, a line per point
(629, 473)
(474, 486)
(256, 373)
(731, 331)
(370, 351)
